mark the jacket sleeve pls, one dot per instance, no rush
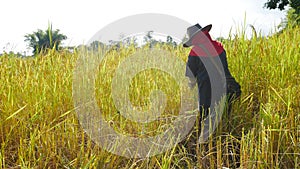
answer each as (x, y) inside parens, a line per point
(191, 67)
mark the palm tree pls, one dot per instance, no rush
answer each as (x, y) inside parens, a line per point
(48, 39)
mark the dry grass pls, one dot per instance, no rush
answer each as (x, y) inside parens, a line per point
(39, 127)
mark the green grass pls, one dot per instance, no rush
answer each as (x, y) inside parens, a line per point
(39, 126)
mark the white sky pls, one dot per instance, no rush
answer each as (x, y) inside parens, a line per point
(81, 19)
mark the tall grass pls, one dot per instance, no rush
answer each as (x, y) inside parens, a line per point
(39, 127)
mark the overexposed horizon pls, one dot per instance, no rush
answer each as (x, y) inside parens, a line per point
(79, 20)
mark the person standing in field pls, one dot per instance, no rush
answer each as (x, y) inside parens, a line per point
(207, 54)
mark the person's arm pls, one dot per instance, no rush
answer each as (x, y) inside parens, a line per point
(191, 70)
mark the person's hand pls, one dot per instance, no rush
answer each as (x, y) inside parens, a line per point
(192, 83)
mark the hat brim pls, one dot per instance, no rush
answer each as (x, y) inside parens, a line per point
(188, 43)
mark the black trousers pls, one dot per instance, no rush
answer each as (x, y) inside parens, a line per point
(233, 91)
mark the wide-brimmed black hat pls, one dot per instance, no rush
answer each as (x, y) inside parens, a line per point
(192, 31)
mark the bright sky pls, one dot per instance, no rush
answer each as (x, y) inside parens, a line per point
(81, 19)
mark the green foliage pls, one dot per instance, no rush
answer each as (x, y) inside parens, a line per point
(274, 4)
(290, 21)
(48, 39)
(293, 15)
(281, 4)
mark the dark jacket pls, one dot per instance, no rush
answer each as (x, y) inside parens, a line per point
(196, 70)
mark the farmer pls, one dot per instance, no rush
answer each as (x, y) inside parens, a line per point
(208, 54)
(207, 67)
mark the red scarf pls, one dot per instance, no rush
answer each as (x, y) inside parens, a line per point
(215, 48)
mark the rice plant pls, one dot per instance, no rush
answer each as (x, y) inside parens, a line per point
(39, 127)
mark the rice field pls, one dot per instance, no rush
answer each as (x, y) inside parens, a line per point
(39, 127)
